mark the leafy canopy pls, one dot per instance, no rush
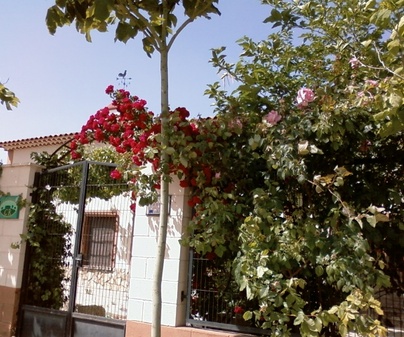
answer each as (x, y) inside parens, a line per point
(129, 18)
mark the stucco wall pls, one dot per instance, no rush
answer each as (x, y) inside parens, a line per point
(15, 180)
(23, 156)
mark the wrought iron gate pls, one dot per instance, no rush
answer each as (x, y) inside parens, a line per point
(76, 277)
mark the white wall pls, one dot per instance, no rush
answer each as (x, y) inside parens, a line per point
(175, 265)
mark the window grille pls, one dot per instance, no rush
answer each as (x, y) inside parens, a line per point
(99, 240)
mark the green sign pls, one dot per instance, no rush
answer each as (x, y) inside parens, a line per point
(9, 208)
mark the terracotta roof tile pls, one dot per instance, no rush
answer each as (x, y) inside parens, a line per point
(37, 141)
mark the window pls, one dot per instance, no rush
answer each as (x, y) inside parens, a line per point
(98, 244)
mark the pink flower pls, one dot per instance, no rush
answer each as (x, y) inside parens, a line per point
(273, 117)
(372, 83)
(354, 62)
(304, 97)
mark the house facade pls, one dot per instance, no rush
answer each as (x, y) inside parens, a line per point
(121, 250)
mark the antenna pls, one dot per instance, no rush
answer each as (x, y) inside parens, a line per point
(123, 80)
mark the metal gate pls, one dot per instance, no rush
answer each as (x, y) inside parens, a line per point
(77, 268)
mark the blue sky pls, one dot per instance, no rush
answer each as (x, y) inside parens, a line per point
(61, 79)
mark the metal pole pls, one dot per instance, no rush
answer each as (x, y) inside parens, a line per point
(77, 256)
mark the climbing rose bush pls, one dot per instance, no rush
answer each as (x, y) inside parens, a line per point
(260, 176)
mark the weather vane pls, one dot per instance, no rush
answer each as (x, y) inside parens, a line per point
(123, 80)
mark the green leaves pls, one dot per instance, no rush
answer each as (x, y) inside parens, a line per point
(8, 98)
(125, 31)
(155, 19)
(101, 9)
(324, 163)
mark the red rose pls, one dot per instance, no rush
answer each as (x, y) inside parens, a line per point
(139, 105)
(75, 155)
(133, 207)
(184, 183)
(194, 201)
(210, 255)
(109, 90)
(115, 174)
(238, 310)
(184, 113)
(99, 135)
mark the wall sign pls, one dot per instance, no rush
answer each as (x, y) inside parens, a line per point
(154, 209)
(9, 208)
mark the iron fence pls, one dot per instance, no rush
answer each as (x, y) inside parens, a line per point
(214, 297)
(215, 301)
(77, 268)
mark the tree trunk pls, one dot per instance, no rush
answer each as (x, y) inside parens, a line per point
(164, 197)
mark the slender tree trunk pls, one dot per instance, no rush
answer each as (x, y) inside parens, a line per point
(164, 198)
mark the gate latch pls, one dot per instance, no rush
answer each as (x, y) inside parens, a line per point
(79, 260)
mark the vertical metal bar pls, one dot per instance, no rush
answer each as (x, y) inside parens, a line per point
(189, 290)
(77, 246)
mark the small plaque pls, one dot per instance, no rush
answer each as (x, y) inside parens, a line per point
(154, 209)
(9, 208)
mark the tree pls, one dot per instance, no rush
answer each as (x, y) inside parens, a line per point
(157, 21)
(7, 97)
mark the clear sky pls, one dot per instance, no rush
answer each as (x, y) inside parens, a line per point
(60, 80)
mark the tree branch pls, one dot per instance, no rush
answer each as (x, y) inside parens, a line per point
(183, 25)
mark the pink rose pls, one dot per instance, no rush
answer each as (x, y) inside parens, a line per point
(273, 117)
(354, 62)
(304, 97)
(372, 83)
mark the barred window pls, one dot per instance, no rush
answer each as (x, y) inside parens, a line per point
(99, 239)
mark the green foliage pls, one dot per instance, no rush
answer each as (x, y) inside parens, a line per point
(368, 32)
(48, 234)
(7, 97)
(99, 175)
(318, 241)
(49, 246)
(130, 18)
